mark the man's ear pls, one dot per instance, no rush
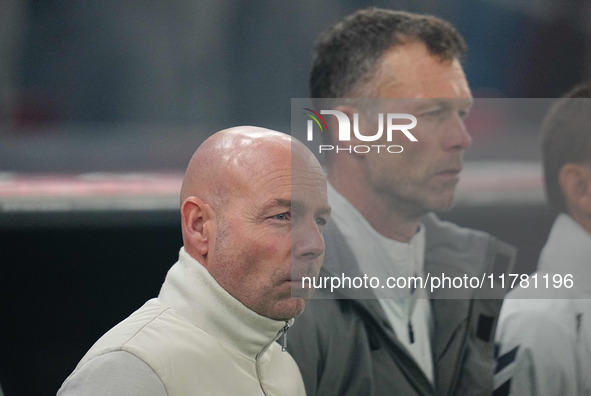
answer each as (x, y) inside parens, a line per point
(196, 218)
(575, 182)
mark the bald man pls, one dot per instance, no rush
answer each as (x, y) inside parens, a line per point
(253, 206)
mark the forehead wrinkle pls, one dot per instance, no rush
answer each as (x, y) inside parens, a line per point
(272, 178)
(312, 179)
(279, 202)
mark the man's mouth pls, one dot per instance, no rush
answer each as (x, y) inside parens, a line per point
(449, 174)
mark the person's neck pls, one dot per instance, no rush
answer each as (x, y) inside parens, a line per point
(391, 222)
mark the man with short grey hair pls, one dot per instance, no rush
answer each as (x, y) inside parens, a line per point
(409, 342)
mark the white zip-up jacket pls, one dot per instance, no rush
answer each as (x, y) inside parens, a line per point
(194, 339)
(544, 331)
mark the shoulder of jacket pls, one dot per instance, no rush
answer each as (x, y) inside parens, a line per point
(445, 240)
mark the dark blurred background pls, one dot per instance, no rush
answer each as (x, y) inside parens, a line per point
(119, 87)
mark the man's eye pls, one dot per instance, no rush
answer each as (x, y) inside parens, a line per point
(320, 221)
(434, 113)
(281, 216)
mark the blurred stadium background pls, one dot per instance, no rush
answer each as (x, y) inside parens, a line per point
(102, 104)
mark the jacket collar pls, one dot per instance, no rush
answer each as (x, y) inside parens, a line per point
(193, 293)
(450, 249)
(568, 251)
(339, 259)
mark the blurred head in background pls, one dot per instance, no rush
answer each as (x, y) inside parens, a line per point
(566, 154)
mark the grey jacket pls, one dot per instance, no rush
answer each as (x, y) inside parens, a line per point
(345, 345)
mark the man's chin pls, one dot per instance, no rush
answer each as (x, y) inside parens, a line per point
(289, 309)
(444, 203)
(304, 293)
(442, 208)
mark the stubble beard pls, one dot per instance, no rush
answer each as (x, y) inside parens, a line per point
(414, 205)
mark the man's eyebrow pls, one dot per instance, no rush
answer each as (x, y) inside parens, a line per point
(427, 103)
(294, 205)
(278, 202)
(444, 103)
(287, 203)
(325, 211)
(281, 202)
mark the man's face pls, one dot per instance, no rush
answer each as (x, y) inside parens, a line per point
(423, 178)
(269, 235)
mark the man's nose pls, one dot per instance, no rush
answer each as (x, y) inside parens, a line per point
(457, 138)
(307, 241)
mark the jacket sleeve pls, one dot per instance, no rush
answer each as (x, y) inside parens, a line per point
(536, 356)
(114, 373)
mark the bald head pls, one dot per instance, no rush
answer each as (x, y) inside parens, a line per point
(253, 203)
(232, 157)
(227, 155)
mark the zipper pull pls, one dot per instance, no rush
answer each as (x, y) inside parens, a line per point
(411, 333)
(284, 343)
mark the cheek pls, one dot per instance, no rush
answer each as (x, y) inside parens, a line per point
(418, 155)
(388, 165)
(265, 256)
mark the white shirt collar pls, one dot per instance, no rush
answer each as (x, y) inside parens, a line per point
(384, 257)
(376, 254)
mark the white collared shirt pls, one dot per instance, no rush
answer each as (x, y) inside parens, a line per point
(384, 257)
(544, 329)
